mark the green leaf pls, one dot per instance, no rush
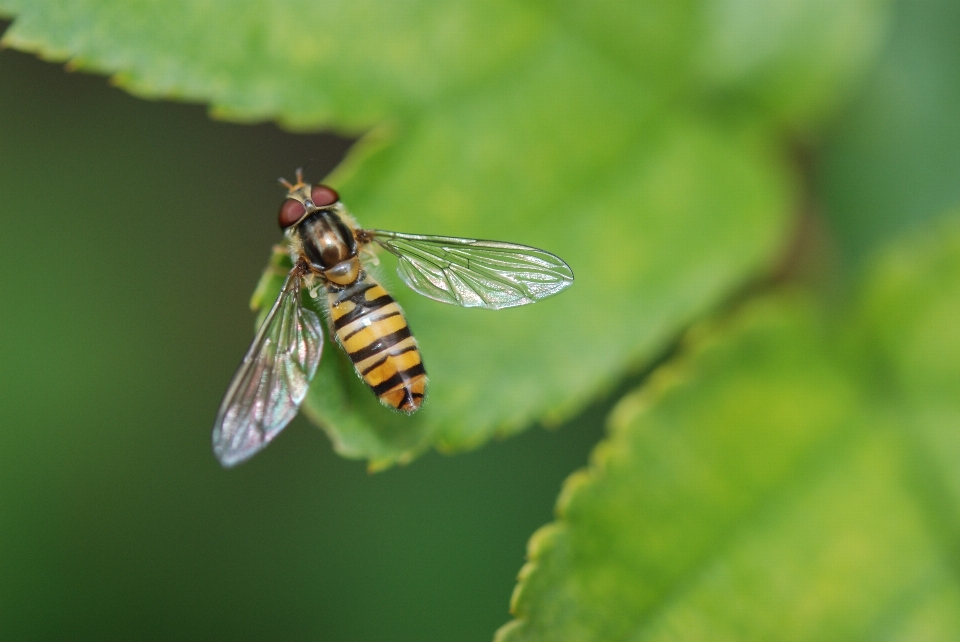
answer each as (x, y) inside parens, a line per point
(351, 64)
(509, 121)
(792, 61)
(775, 483)
(910, 312)
(307, 64)
(659, 215)
(706, 211)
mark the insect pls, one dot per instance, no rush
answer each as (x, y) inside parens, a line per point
(325, 244)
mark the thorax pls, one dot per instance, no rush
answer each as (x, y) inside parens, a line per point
(328, 246)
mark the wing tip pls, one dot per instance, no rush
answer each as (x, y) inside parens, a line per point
(230, 457)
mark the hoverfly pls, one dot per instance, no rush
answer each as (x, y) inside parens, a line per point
(324, 243)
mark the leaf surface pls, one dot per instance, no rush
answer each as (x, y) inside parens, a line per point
(603, 136)
(308, 64)
(793, 477)
(712, 210)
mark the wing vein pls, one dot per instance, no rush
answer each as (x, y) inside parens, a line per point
(272, 379)
(474, 273)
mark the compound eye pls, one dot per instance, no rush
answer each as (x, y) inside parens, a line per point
(291, 211)
(321, 195)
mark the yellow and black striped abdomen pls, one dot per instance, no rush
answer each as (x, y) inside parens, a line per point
(372, 330)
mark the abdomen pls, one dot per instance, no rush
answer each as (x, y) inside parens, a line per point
(374, 333)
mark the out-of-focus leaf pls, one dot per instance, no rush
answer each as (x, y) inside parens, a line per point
(516, 122)
(892, 161)
(653, 40)
(793, 60)
(308, 64)
(696, 465)
(769, 486)
(350, 64)
(911, 312)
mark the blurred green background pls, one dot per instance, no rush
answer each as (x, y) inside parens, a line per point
(131, 235)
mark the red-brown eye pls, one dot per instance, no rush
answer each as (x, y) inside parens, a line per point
(321, 195)
(290, 212)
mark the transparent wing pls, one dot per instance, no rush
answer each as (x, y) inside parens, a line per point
(272, 381)
(474, 273)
